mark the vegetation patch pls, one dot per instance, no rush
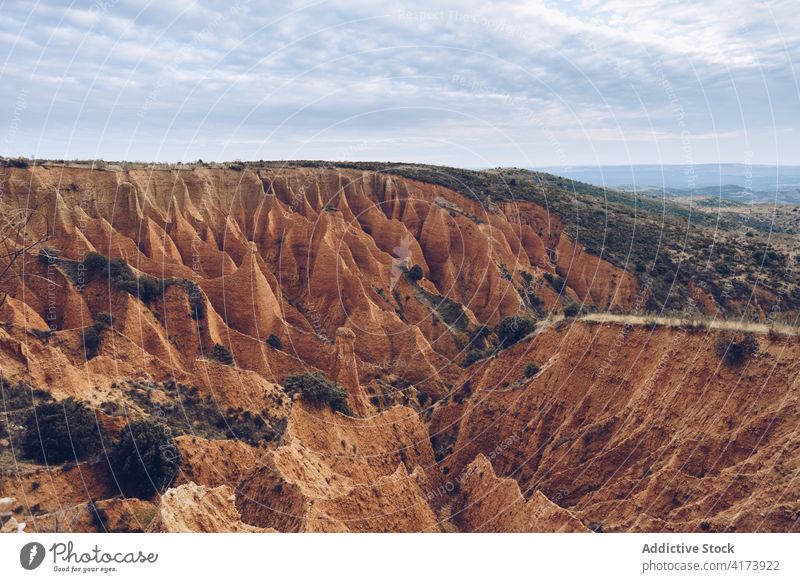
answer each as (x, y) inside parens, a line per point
(477, 354)
(56, 432)
(221, 354)
(18, 400)
(197, 306)
(415, 273)
(146, 459)
(735, 349)
(93, 334)
(15, 163)
(531, 369)
(480, 335)
(514, 328)
(317, 390)
(186, 411)
(144, 287)
(556, 282)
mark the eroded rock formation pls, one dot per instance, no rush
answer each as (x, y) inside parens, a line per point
(278, 271)
(193, 508)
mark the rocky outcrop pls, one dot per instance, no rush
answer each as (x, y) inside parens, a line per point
(8, 523)
(215, 462)
(193, 508)
(617, 434)
(345, 371)
(120, 515)
(336, 473)
(488, 503)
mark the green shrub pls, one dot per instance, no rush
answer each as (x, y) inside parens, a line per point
(119, 270)
(221, 354)
(768, 258)
(146, 460)
(534, 300)
(531, 369)
(736, 349)
(187, 411)
(463, 393)
(415, 273)
(56, 432)
(20, 396)
(146, 288)
(104, 319)
(150, 288)
(93, 335)
(316, 389)
(274, 342)
(21, 163)
(197, 306)
(92, 339)
(556, 282)
(572, 310)
(95, 265)
(478, 354)
(452, 313)
(479, 334)
(512, 329)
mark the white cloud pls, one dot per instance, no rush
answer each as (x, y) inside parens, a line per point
(585, 71)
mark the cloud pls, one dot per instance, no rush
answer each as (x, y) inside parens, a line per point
(512, 82)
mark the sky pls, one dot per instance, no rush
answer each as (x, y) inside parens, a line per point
(462, 83)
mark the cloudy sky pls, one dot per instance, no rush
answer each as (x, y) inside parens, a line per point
(466, 83)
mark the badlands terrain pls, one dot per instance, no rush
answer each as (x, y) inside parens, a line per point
(507, 350)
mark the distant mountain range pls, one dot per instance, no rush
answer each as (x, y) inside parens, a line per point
(753, 184)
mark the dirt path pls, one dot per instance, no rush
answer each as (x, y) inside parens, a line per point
(733, 325)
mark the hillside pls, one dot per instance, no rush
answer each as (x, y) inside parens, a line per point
(694, 258)
(195, 296)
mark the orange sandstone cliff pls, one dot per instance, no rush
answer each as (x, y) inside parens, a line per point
(292, 270)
